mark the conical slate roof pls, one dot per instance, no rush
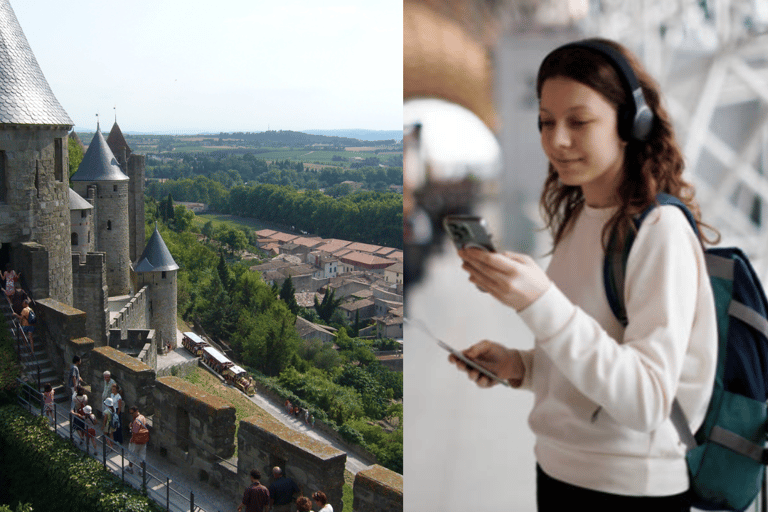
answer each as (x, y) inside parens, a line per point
(76, 202)
(117, 142)
(156, 256)
(99, 164)
(25, 96)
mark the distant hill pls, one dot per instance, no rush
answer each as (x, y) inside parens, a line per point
(360, 134)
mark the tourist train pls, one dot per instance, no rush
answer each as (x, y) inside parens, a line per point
(218, 362)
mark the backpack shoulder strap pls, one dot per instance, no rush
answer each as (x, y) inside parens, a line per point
(614, 270)
(615, 262)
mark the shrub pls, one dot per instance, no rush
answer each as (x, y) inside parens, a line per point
(32, 458)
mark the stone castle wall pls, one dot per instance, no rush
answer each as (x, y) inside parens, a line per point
(34, 201)
(64, 328)
(90, 293)
(378, 489)
(136, 380)
(136, 172)
(193, 429)
(263, 443)
(134, 315)
(110, 226)
(161, 290)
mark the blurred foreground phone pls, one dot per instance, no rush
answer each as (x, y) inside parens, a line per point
(456, 353)
(468, 231)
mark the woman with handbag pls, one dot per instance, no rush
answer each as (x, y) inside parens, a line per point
(139, 437)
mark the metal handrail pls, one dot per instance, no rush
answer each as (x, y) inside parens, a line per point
(34, 402)
(22, 342)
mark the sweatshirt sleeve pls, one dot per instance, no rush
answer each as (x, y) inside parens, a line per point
(634, 380)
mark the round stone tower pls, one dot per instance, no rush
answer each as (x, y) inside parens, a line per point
(157, 270)
(34, 194)
(100, 172)
(80, 218)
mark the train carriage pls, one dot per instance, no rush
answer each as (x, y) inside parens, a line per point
(216, 360)
(194, 343)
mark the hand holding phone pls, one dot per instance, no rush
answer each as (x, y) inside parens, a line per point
(468, 231)
(457, 354)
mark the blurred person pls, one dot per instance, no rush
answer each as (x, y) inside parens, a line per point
(321, 500)
(603, 391)
(303, 504)
(281, 491)
(256, 496)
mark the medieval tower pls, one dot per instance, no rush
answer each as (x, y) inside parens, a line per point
(157, 270)
(100, 172)
(34, 194)
(133, 166)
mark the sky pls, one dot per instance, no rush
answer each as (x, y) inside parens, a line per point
(189, 66)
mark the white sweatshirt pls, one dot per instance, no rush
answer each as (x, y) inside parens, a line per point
(583, 359)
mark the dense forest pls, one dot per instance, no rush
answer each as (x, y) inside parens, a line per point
(286, 194)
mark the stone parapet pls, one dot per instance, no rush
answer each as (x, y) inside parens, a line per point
(264, 442)
(136, 380)
(378, 489)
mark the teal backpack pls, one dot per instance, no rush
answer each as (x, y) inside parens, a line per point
(727, 455)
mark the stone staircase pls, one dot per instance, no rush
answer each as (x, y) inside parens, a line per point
(41, 359)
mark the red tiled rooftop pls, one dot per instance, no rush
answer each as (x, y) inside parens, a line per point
(357, 246)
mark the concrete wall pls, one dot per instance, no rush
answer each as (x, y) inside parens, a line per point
(90, 293)
(136, 380)
(264, 442)
(378, 490)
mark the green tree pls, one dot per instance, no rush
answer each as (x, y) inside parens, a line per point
(75, 151)
(288, 295)
(328, 305)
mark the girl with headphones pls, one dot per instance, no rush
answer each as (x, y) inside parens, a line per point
(604, 389)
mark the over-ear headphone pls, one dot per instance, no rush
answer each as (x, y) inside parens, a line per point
(635, 118)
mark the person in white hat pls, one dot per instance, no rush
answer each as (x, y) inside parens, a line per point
(109, 421)
(90, 425)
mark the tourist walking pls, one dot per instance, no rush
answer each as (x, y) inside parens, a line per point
(74, 380)
(303, 504)
(11, 277)
(256, 496)
(281, 491)
(108, 382)
(139, 437)
(117, 403)
(27, 326)
(322, 501)
(110, 421)
(48, 395)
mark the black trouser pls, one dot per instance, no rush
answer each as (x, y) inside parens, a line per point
(555, 496)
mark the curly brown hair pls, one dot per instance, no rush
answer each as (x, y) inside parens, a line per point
(650, 167)
(303, 504)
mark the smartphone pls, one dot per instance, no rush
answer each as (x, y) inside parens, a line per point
(488, 373)
(468, 231)
(420, 325)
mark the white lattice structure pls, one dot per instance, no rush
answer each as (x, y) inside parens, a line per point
(711, 58)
